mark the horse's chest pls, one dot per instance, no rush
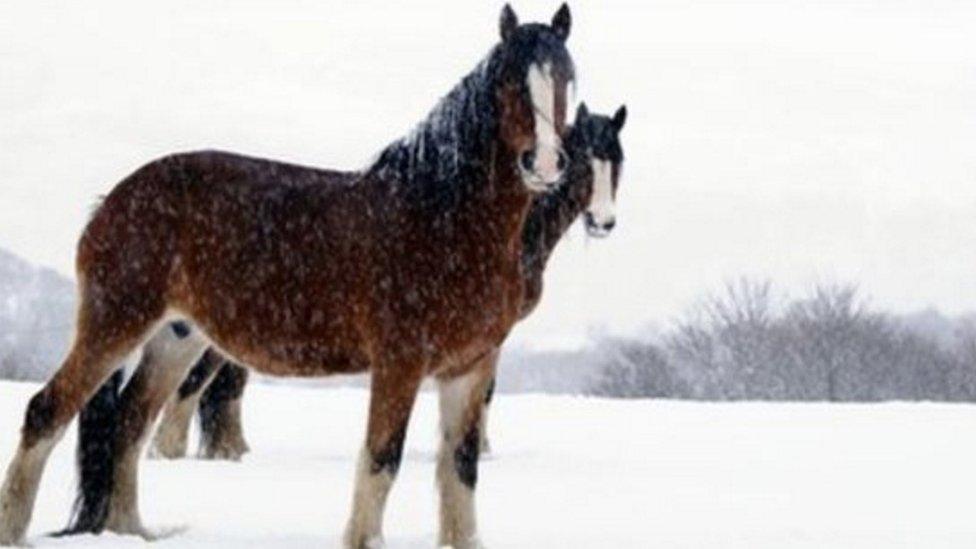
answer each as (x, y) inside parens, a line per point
(486, 283)
(463, 296)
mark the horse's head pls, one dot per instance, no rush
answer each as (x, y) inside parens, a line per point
(604, 158)
(535, 70)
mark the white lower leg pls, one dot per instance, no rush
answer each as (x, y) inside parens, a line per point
(234, 441)
(228, 440)
(170, 440)
(365, 528)
(483, 431)
(166, 360)
(20, 487)
(458, 525)
(461, 401)
(123, 514)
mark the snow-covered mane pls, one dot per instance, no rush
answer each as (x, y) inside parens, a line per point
(447, 155)
(450, 142)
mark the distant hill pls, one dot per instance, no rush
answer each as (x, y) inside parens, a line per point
(36, 318)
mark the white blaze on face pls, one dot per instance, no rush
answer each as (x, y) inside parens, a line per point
(547, 142)
(601, 203)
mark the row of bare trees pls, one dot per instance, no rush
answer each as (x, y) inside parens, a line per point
(745, 343)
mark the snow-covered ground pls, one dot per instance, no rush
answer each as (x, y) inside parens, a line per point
(570, 472)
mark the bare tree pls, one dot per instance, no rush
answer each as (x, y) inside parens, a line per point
(828, 345)
(632, 369)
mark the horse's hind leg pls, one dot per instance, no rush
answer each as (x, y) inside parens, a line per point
(170, 440)
(221, 429)
(166, 359)
(104, 337)
(392, 395)
(461, 401)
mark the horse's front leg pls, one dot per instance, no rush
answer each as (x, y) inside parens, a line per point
(461, 405)
(392, 395)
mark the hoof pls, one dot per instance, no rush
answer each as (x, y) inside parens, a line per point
(223, 454)
(13, 520)
(470, 543)
(130, 530)
(128, 524)
(11, 531)
(7, 540)
(165, 532)
(160, 451)
(147, 534)
(354, 542)
(231, 450)
(169, 443)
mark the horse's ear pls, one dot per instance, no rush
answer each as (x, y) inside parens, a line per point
(581, 113)
(619, 118)
(508, 22)
(561, 22)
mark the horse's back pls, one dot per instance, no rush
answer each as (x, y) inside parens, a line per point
(216, 167)
(273, 253)
(228, 239)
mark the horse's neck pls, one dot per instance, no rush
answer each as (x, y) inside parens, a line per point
(504, 203)
(453, 171)
(548, 220)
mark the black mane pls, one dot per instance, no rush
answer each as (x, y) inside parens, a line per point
(446, 151)
(446, 157)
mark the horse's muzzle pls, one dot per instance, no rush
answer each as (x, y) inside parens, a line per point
(542, 174)
(598, 228)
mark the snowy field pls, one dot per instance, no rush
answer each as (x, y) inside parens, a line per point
(570, 472)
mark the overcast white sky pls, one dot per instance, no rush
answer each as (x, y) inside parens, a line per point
(799, 141)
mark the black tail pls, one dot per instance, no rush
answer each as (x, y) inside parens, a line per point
(96, 458)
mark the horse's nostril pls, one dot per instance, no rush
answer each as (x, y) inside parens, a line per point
(527, 159)
(562, 161)
(609, 224)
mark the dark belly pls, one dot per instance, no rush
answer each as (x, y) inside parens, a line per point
(301, 359)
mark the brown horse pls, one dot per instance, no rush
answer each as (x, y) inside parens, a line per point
(595, 155)
(411, 271)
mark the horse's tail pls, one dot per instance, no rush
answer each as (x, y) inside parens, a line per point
(96, 464)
